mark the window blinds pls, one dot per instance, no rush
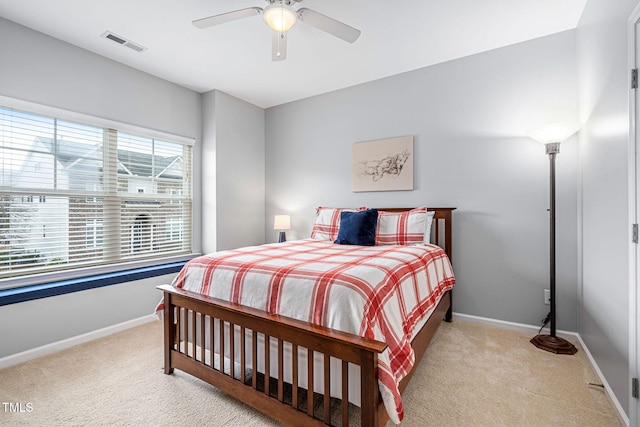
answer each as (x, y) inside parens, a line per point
(74, 195)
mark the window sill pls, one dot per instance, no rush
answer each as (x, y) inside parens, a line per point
(28, 293)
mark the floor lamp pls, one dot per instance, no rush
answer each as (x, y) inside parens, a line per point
(551, 136)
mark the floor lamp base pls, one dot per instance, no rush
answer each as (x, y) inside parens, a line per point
(555, 345)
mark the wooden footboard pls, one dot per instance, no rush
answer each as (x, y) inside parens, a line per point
(189, 316)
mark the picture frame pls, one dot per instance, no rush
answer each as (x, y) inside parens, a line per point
(382, 165)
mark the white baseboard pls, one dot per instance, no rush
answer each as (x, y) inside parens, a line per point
(512, 326)
(44, 350)
(564, 334)
(616, 404)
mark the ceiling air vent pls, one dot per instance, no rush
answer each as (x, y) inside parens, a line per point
(122, 41)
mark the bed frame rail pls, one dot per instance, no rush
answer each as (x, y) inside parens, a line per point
(189, 316)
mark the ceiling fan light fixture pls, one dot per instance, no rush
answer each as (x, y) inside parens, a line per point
(280, 17)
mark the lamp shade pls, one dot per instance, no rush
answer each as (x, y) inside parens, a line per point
(281, 222)
(279, 16)
(555, 133)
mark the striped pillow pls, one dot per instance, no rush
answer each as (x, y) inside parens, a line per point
(327, 224)
(401, 228)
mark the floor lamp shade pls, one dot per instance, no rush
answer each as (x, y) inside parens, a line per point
(558, 132)
(282, 222)
(552, 136)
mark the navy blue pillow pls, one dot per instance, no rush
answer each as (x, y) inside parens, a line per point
(358, 228)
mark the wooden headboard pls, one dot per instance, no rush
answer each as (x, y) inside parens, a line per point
(440, 229)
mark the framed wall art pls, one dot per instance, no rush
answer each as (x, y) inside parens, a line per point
(382, 165)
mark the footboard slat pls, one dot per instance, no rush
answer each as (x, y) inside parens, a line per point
(345, 392)
(294, 376)
(185, 328)
(327, 386)
(254, 359)
(212, 340)
(202, 339)
(267, 364)
(194, 331)
(221, 345)
(262, 394)
(243, 361)
(310, 382)
(280, 370)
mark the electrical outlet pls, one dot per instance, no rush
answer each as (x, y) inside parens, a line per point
(547, 297)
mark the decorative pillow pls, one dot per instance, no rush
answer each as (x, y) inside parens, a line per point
(327, 222)
(402, 228)
(358, 228)
(427, 230)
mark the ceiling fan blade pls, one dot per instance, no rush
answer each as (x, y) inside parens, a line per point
(279, 46)
(227, 17)
(329, 25)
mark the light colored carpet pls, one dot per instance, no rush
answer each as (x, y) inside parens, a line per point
(471, 375)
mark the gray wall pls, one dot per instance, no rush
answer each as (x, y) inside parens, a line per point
(233, 165)
(40, 69)
(468, 118)
(603, 70)
(31, 324)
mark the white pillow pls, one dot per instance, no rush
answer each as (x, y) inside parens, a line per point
(427, 229)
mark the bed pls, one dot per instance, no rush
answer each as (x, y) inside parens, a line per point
(282, 359)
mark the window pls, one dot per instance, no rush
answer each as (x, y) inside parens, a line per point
(94, 233)
(103, 196)
(173, 228)
(142, 237)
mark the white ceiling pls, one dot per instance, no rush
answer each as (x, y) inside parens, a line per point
(235, 57)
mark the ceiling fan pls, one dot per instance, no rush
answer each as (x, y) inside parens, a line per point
(280, 17)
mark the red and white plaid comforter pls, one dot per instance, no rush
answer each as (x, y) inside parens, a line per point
(379, 292)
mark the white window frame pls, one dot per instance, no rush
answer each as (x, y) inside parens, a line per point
(87, 271)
